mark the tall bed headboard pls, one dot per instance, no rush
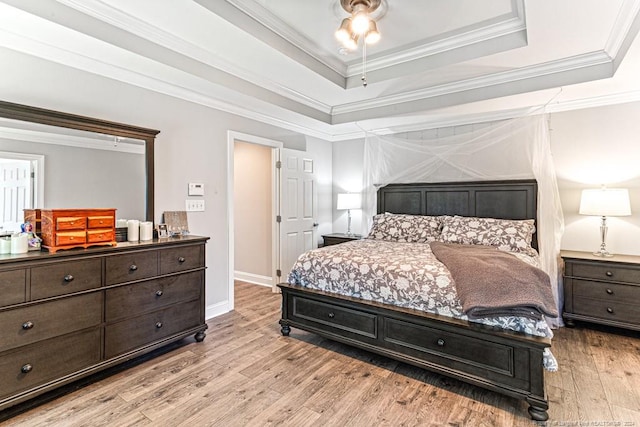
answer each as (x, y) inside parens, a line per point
(486, 199)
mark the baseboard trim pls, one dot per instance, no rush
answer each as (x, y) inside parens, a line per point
(216, 309)
(256, 279)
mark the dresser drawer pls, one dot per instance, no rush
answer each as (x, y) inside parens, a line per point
(26, 325)
(71, 223)
(609, 310)
(181, 258)
(152, 295)
(105, 221)
(335, 317)
(47, 360)
(603, 271)
(131, 266)
(97, 236)
(12, 287)
(136, 332)
(65, 277)
(71, 238)
(603, 291)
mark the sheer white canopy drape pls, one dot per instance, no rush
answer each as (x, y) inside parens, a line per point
(511, 149)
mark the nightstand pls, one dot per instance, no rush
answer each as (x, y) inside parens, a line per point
(602, 290)
(337, 238)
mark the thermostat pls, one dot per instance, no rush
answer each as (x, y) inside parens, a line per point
(196, 189)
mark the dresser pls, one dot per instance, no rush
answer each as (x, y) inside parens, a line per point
(73, 228)
(602, 290)
(337, 238)
(66, 315)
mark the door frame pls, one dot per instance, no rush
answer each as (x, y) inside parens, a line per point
(232, 137)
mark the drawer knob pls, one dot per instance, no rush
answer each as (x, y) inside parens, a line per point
(159, 293)
(26, 368)
(27, 325)
(68, 278)
(181, 259)
(609, 310)
(133, 267)
(609, 273)
(610, 291)
(331, 315)
(440, 342)
(158, 325)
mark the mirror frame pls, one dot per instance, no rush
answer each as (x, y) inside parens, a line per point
(28, 113)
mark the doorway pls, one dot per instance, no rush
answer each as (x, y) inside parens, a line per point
(293, 208)
(258, 149)
(253, 213)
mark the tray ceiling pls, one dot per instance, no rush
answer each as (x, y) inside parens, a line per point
(439, 62)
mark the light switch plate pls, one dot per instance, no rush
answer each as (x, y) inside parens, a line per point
(194, 205)
(196, 189)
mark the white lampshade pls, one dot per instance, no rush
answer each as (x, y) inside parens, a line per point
(349, 201)
(605, 202)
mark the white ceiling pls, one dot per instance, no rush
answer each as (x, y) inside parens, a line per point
(439, 63)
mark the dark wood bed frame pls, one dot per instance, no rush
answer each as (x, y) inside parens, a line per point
(507, 362)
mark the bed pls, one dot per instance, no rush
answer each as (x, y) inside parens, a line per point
(506, 361)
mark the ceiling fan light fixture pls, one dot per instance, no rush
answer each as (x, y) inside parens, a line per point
(344, 32)
(359, 25)
(352, 42)
(360, 20)
(373, 35)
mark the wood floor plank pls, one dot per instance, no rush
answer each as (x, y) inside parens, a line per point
(246, 373)
(239, 404)
(187, 403)
(284, 410)
(617, 368)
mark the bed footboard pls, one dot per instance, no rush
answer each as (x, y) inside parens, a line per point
(506, 362)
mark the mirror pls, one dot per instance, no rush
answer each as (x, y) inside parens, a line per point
(87, 162)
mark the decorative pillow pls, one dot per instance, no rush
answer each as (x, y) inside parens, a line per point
(505, 234)
(405, 228)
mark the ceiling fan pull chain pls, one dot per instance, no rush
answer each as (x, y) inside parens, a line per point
(364, 64)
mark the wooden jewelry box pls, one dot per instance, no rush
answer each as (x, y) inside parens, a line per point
(77, 228)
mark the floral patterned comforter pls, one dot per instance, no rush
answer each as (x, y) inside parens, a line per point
(402, 274)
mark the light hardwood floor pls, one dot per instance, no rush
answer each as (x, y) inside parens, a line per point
(246, 374)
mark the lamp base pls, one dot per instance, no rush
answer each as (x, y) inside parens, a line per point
(603, 254)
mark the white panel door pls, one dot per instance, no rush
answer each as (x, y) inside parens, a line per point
(15, 188)
(299, 210)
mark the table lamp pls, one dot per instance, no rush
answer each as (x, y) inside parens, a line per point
(605, 202)
(348, 201)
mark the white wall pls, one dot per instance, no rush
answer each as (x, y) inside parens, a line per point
(347, 178)
(191, 147)
(590, 147)
(322, 153)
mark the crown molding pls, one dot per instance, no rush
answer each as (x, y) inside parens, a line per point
(269, 115)
(436, 121)
(521, 74)
(265, 17)
(253, 26)
(512, 25)
(100, 10)
(623, 27)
